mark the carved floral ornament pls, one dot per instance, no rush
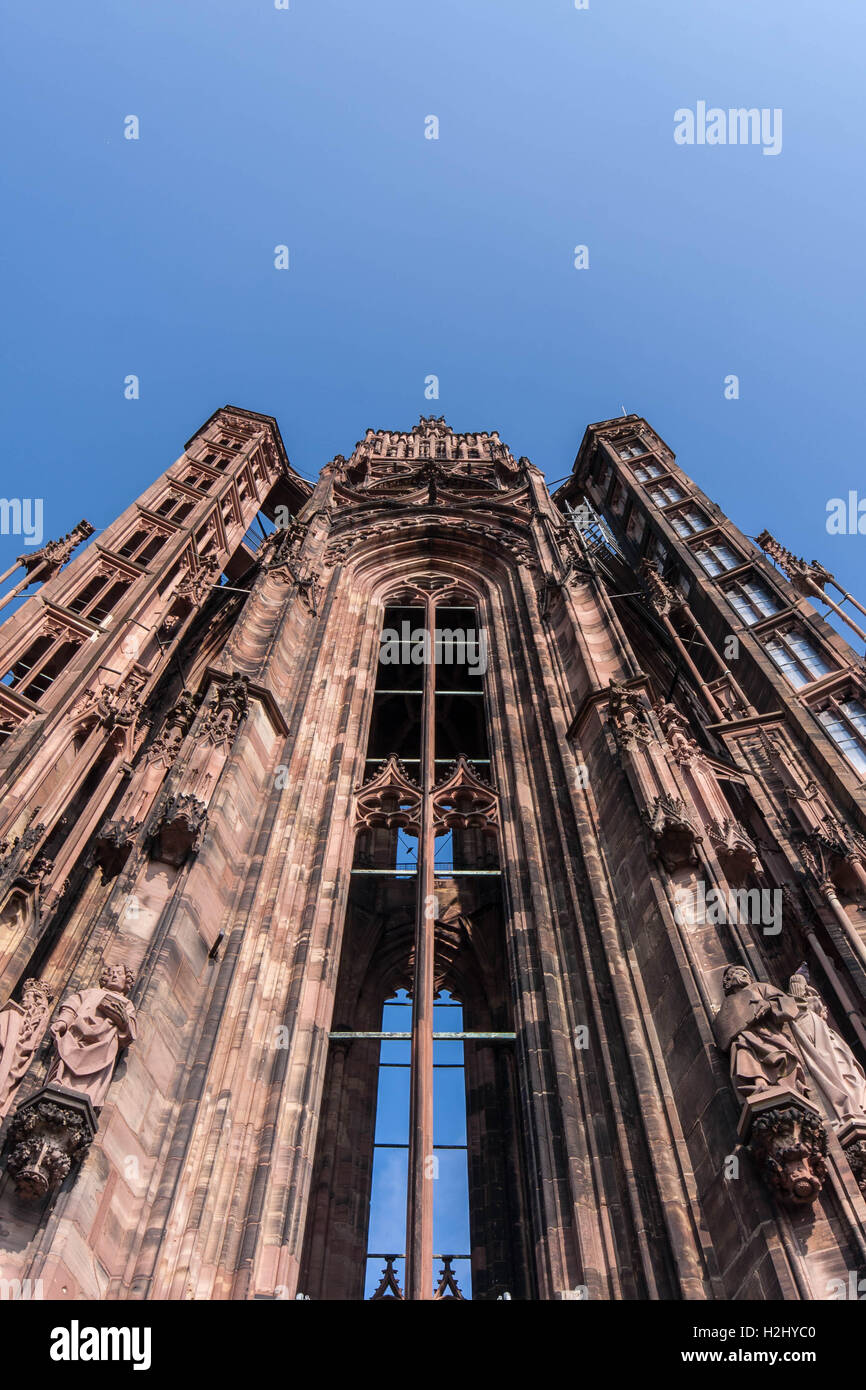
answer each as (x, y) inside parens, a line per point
(733, 846)
(341, 547)
(197, 583)
(226, 710)
(463, 800)
(20, 861)
(113, 707)
(389, 800)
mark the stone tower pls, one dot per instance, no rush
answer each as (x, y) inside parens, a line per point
(590, 765)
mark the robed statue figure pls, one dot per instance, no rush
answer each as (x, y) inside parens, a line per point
(89, 1031)
(834, 1071)
(751, 1023)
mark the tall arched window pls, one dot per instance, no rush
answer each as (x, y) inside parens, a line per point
(418, 1128)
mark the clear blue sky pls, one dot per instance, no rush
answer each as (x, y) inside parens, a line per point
(454, 257)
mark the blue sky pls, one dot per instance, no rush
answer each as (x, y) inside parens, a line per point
(409, 256)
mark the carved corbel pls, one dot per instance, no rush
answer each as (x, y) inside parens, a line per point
(788, 1142)
(48, 1134)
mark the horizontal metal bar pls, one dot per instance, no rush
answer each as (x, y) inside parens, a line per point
(438, 872)
(389, 1256)
(437, 1037)
(388, 690)
(382, 1145)
(468, 757)
(407, 1004)
(437, 1066)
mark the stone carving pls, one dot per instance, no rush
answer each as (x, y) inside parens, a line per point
(90, 1030)
(226, 709)
(448, 1286)
(837, 1076)
(685, 749)
(734, 846)
(283, 544)
(795, 569)
(114, 706)
(788, 1144)
(389, 1285)
(628, 715)
(179, 829)
(113, 845)
(750, 1026)
(784, 1130)
(670, 826)
(463, 800)
(54, 554)
(48, 1133)
(21, 1029)
(663, 597)
(19, 865)
(177, 723)
(390, 799)
(196, 584)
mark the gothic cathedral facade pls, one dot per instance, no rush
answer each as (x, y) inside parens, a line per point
(587, 766)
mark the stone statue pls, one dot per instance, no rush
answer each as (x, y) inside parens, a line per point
(836, 1074)
(89, 1032)
(750, 1023)
(783, 1127)
(21, 1029)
